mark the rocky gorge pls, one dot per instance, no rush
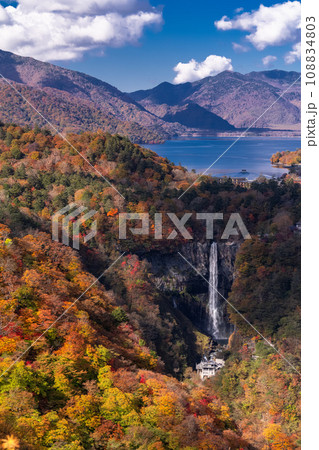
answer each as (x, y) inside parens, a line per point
(184, 282)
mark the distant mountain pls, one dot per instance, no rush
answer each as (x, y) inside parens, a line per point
(194, 116)
(170, 94)
(282, 80)
(74, 101)
(239, 99)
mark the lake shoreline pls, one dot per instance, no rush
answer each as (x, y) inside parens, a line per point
(248, 156)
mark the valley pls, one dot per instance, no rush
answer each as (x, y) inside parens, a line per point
(118, 367)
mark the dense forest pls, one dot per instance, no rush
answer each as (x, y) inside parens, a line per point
(116, 369)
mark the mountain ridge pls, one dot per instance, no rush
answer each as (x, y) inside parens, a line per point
(97, 96)
(74, 101)
(239, 99)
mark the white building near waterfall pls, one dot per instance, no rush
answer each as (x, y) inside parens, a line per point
(208, 367)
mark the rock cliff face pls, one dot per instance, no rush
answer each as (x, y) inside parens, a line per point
(186, 285)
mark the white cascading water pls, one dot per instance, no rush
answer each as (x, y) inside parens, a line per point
(216, 319)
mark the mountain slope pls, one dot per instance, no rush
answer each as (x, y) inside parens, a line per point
(74, 101)
(239, 99)
(66, 113)
(85, 102)
(89, 381)
(193, 115)
(282, 80)
(170, 94)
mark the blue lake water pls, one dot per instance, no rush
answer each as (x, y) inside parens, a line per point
(251, 154)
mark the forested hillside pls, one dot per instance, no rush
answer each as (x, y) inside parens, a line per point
(90, 381)
(116, 370)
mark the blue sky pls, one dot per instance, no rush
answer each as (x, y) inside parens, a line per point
(168, 33)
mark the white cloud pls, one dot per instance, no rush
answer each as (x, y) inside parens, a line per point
(194, 70)
(66, 29)
(239, 48)
(224, 24)
(269, 25)
(4, 18)
(294, 54)
(90, 7)
(268, 60)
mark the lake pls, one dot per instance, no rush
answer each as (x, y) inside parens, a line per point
(251, 154)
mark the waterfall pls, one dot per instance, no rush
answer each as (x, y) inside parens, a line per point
(215, 305)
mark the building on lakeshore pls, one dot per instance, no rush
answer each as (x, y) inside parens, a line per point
(241, 181)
